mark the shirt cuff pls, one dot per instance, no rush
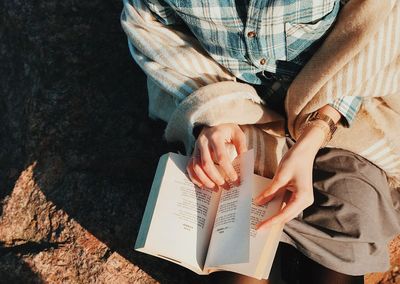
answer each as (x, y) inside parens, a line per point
(348, 106)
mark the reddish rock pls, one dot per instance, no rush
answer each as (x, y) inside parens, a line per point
(393, 275)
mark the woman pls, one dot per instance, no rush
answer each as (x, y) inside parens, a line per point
(336, 195)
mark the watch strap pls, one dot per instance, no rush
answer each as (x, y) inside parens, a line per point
(319, 116)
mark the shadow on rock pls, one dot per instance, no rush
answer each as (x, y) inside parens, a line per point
(75, 105)
(14, 270)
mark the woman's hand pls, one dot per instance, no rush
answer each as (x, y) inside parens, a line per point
(294, 173)
(211, 146)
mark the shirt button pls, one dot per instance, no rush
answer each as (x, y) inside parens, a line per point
(263, 61)
(251, 34)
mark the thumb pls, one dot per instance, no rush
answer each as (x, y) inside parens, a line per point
(269, 193)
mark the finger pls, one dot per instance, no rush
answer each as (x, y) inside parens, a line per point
(271, 191)
(239, 140)
(201, 175)
(287, 214)
(221, 153)
(294, 207)
(196, 165)
(192, 175)
(208, 165)
(265, 200)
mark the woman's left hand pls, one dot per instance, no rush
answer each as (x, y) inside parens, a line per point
(294, 173)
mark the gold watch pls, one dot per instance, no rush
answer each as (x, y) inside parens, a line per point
(322, 121)
(319, 116)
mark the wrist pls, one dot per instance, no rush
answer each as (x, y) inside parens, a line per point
(331, 112)
(326, 125)
(312, 138)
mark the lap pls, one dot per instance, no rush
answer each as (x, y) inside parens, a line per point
(348, 226)
(353, 217)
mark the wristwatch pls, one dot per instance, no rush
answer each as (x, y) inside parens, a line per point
(319, 116)
(322, 121)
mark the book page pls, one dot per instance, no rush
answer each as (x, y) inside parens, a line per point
(232, 228)
(263, 242)
(183, 216)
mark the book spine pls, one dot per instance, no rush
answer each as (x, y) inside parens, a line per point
(151, 202)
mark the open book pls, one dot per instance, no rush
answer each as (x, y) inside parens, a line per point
(207, 231)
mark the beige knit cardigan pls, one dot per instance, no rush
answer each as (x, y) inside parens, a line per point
(371, 69)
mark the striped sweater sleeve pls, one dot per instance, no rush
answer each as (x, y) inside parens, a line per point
(172, 58)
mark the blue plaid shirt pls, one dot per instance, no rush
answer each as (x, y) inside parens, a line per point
(253, 37)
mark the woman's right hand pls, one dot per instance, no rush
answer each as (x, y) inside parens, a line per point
(210, 147)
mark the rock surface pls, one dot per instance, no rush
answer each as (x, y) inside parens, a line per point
(78, 152)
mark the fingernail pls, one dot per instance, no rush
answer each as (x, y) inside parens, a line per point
(222, 182)
(258, 200)
(211, 185)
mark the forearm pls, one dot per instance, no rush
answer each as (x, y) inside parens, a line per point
(310, 141)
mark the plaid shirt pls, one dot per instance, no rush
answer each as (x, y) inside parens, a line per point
(257, 37)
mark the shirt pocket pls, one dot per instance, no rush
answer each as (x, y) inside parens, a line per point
(210, 14)
(212, 25)
(300, 36)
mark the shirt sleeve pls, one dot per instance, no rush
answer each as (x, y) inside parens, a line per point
(163, 12)
(348, 106)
